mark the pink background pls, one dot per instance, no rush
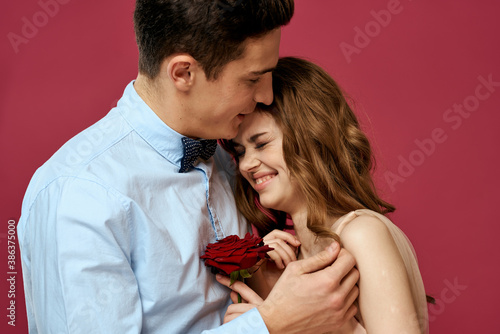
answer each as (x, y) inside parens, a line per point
(404, 75)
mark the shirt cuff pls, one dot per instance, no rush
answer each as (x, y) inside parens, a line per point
(248, 322)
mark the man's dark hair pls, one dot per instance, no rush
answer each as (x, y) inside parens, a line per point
(211, 31)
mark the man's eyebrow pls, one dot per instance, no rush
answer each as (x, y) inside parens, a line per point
(263, 71)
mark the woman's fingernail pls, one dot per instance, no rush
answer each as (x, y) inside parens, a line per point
(333, 247)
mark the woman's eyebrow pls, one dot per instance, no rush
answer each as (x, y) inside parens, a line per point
(255, 136)
(252, 139)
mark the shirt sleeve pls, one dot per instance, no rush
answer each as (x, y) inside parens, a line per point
(249, 322)
(77, 263)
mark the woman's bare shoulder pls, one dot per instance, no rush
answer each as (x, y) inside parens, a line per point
(365, 228)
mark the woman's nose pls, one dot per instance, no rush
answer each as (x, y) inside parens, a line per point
(248, 162)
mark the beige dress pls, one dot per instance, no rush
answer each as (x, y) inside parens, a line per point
(409, 257)
(407, 254)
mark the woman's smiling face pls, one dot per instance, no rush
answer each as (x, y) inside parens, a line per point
(259, 149)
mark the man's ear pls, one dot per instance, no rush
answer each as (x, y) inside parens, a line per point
(181, 70)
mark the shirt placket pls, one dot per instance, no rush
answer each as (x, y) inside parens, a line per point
(214, 219)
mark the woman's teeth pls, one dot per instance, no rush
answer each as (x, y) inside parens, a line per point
(263, 179)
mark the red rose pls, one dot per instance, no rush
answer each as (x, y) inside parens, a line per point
(234, 254)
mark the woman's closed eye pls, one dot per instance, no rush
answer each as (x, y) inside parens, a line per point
(261, 145)
(239, 153)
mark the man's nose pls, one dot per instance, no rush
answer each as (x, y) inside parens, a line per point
(264, 92)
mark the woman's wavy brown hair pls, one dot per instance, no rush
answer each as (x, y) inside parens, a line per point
(324, 148)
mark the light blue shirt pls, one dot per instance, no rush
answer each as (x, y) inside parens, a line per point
(111, 234)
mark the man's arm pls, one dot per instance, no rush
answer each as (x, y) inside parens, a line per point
(311, 296)
(77, 263)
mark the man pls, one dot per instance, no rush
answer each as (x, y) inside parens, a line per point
(113, 225)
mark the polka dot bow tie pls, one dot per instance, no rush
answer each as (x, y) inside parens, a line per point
(194, 149)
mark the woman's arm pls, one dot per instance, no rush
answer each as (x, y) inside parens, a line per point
(263, 280)
(267, 272)
(385, 298)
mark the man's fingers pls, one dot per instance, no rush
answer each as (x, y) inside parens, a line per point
(241, 288)
(320, 260)
(234, 298)
(240, 308)
(349, 281)
(235, 310)
(352, 296)
(230, 317)
(343, 266)
(351, 312)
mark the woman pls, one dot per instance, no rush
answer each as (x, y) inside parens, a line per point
(305, 156)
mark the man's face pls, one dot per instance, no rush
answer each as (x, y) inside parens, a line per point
(220, 105)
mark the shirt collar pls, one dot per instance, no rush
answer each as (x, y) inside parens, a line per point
(149, 126)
